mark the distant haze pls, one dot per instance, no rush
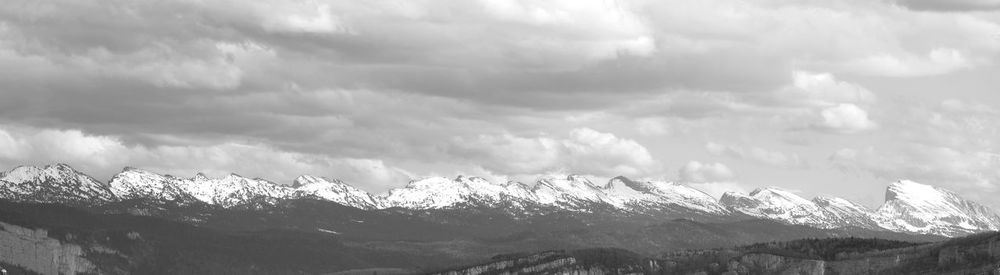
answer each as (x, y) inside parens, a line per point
(834, 98)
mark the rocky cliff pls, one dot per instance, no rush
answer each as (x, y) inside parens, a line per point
(34, 250)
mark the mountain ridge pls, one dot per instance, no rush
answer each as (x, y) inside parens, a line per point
(910, 207)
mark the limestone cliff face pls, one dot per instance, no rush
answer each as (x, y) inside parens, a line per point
(35, 251)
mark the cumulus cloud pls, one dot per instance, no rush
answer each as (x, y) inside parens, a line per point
(105, 155)
(811, 101)
(846, 118)
(697, 172)
(811, 89)
(757, 154)
(584, 150)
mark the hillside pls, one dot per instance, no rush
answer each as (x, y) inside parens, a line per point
(976, 254)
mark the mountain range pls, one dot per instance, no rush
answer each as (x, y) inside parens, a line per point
(909, 206)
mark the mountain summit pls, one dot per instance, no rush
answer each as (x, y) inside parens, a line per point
(58, 183)
(915, 207)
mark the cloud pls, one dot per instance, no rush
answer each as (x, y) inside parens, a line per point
(811, 89)
(942, 166)
(846, 118)
(442, 86)
(697, 172)
(608, 29)
(307, 17)
(936, 61)
(584, 150)
(105, 155)
(519, 53)
(951, 144)
(951, 123)
(951, 5)
(815, 102)
(757, 154)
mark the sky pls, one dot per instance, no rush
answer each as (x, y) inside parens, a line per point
(820, 97)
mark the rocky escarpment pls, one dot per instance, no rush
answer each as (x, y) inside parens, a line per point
(582, 262)
(34, 250)
(773, 264)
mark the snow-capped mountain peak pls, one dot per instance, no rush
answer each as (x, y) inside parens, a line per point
(335, 191)
(777, 204)
(572, 191)
(52, 183)
(233, 190)
(55, 172)
(134, 183)
(779, 197)
(842, 212)
(22, 174)
(304, 180)
(441, 192)
(661, 196)
(915, 207)
(839, 203)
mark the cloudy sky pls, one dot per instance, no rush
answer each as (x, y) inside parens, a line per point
(823, 97)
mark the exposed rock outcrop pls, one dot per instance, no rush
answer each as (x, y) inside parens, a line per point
(34, 250)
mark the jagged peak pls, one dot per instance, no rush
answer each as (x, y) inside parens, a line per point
(428, 182)
(139, 172)
(128, 170)
(579, 178)
(829, 200)
(734, 194)
(645, 185)
(550, 180)
(200, 177)
(627, 182)
(61, 166)
(231, 177)
(518, 184)
(310, 179)
(471, 179)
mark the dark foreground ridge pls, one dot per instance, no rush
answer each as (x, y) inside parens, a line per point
(976, 254)
(319, 237)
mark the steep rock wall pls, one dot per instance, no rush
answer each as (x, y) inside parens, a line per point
(35, 251)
